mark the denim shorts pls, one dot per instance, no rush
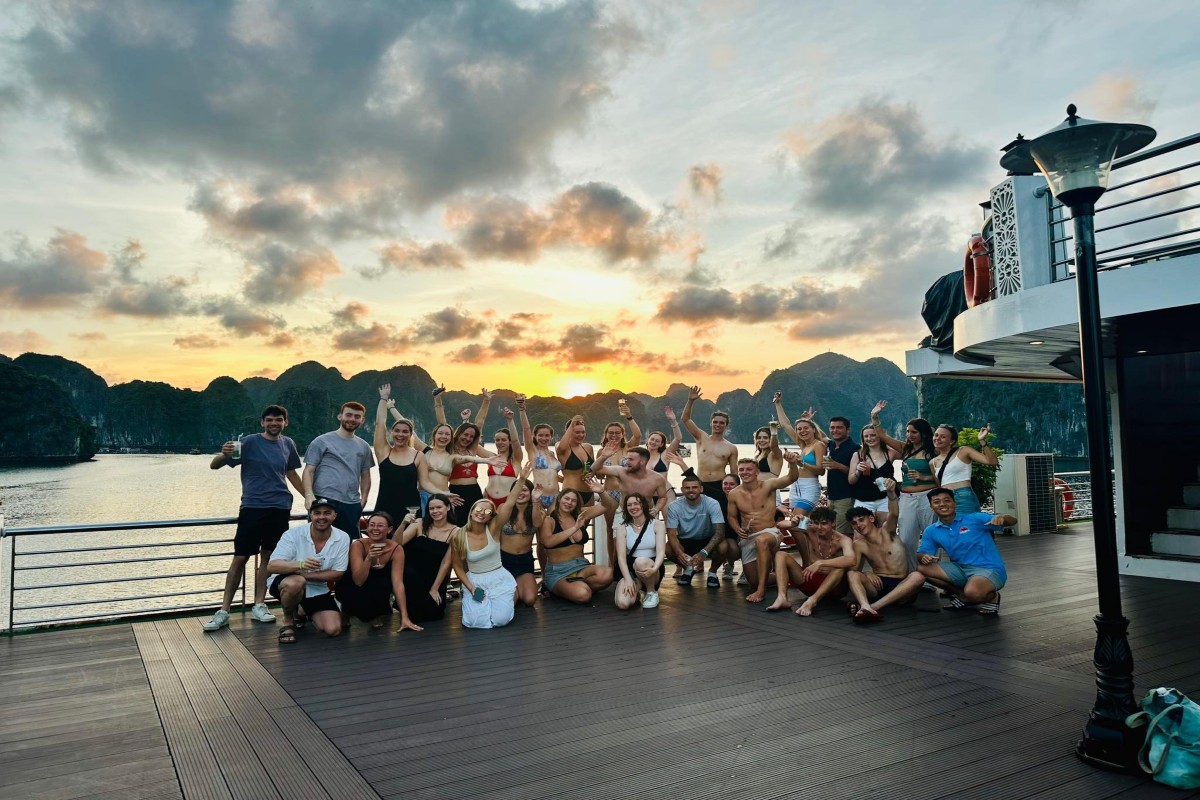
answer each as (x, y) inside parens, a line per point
(966, 501)
(959, 574)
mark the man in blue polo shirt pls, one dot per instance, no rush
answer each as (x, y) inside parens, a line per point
(975, 573)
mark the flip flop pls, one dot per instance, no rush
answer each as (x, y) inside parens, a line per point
(866, 616)
(990, 609)
(955, 604)
(287, 634)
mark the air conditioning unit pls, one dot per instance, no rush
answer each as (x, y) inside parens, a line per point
(1025, 490)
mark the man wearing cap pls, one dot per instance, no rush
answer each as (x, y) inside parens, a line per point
(266, 460)
(307, 559)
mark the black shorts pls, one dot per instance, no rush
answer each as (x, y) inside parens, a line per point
(692, 546)
(259, 529)
(517, 565)
(713, 489)
(311, 605)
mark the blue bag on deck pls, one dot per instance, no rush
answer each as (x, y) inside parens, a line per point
(1172, 749)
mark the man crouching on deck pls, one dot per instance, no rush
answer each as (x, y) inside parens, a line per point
(825, 556)
(974, 573)
(307, 559)
(752, 516)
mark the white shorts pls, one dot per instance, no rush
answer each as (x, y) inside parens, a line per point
(880, 505)
(749, 549)
(805, 494)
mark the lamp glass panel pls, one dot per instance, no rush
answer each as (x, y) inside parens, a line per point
(1077, 159)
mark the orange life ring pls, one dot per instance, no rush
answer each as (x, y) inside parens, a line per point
(1068, 498)
(977, 272)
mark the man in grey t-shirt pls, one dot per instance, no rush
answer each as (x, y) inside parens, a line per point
(337, 466)
(266, 460)
(695, 528)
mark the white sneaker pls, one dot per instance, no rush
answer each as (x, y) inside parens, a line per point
(651, 600)
(260, 613)
(219, 620)
(727, 572)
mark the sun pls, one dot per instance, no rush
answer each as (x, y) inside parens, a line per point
(578, 388)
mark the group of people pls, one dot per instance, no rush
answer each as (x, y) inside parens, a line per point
(877, 539)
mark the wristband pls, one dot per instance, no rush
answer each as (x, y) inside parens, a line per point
(704, 552)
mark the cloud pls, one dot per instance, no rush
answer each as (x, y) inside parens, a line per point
(242, 320)
(879, 156)
(593, 216)
(279, 274)
(786, 245)
(407, 256)
(1113, 96)
(350, 314)
(705, 181)
(58, 275)
(581, 347)
(446, 325)
(701, 306)
(197, 341)
(420, 100)
(25, 341)
(90, 336)
(375, 338)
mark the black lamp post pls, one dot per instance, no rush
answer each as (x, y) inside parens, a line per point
(1076, 158)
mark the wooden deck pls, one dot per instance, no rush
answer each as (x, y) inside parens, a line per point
(704, 697)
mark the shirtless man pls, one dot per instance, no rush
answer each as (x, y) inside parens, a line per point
(715, 458)
(825, 556)
(634, 478)
(752, 518)
(889, 580)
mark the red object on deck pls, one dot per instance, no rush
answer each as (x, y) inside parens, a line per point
(977, 272)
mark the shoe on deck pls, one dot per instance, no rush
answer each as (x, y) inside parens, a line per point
(685, 578)
(651, 600)
(727, 572)
(713, 581)
(219, 620)
(741, 581)
(260, 613)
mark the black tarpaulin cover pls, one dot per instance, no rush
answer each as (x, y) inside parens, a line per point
(944, 301)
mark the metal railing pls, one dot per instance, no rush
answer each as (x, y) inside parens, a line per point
(125, 569)
(1076, 497)
(1122, 236)
(51, 585)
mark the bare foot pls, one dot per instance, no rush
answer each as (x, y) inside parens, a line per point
(780, 604)
(755, 597)
(805, 610)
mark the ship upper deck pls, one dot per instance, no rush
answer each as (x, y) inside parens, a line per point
(705, 696)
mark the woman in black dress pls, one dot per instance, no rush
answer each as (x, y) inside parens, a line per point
(376, 572)
(427, 560)
(399, 461)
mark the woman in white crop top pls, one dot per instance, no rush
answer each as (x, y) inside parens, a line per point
(641, 546)
(489, 590)
(952, 465)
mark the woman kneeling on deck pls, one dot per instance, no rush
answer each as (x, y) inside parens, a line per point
(641, 544)
(376, 573)
(567, 572)
(489, 590)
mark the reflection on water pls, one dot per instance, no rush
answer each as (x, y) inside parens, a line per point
(107, 566)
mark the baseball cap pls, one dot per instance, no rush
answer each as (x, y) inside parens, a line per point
(321, 501)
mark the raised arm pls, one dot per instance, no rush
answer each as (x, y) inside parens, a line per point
(222, 458)
(635, 433)
(380, 441)
(439, 407)
(676, 433)
(782, 416)
(894, 444)
(773, 450)
(793, 460)
(692, 428)
(526, 428)
(514, 440)
(985, 454)
(889, 525)
(505, 511)
(564, 443)
(484, 405)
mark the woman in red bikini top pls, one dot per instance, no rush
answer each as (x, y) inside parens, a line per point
(508, 447)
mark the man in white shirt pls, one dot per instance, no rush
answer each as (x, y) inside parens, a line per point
(308, 558)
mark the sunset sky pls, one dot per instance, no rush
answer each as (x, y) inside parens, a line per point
(554, 197)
